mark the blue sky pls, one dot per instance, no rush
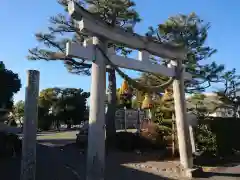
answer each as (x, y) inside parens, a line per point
(21, 19)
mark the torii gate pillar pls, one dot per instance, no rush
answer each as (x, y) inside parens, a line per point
(96, 134)
(184, 142)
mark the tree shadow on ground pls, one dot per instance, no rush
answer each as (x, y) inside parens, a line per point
(120, 158)
(67, 162)
(216, 175)
(219, 167)
(229, 161)
(63, 161)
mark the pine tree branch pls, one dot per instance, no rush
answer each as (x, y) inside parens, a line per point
(63, 26)
(73, 65)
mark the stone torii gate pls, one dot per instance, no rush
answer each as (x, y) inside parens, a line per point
(103, 34)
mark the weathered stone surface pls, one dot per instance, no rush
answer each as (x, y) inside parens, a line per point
(28, 166)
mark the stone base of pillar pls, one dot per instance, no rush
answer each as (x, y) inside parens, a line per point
(193, 172)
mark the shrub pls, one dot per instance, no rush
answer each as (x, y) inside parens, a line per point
(152, 138)
(206, 140)
(10, 145)
(216, 136)
(156, 134)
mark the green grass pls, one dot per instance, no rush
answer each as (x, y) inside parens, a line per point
(58, 135)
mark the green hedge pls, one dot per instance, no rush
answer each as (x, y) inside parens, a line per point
(218, 136)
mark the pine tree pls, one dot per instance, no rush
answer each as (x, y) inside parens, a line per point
(229, 93)
(191, 32)
(202, 105)
(164, 113)
(197, 103)
(115, 12)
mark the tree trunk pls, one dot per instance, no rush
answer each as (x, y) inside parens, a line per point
(69, 124)
(57, 124)
(110, 116)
